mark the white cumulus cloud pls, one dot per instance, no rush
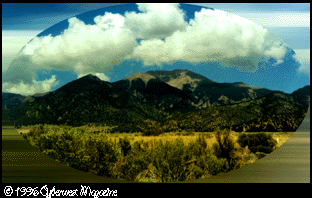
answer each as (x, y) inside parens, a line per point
(213, 35)
(82, 47)
(303, 57)
(30, 88)
(158, 20)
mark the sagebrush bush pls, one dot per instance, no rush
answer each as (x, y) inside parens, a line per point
(125, 145)
(257, 142)
(195, 171)
(213, 165)
(36, 131)
(151, 132)
(157, 161)
(133, 165)
(136, 161)
(225, 146)
(168, 159)
(148, 175)
(103, 154)
(128, 128)
(198, 147)
(46, 141)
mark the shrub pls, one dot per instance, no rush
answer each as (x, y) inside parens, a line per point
(151, 132)
(148, 175)
(125, 145)
(36, 131)
(195, 171)
(225, 146)
(80, 161)
(103, 155)
(197, 148)
(200, 140)
(212, 164)
(257, 142)
(133, 165)
(260, 155)
(168, 158)
(137, 146)
(135, 162)
(46, 141)
(126, 127)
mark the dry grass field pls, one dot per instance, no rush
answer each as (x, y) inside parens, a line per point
(243, 154)
(282, 137)
(187, 137)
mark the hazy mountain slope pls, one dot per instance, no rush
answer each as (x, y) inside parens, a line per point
(11, 100)
(302, 95)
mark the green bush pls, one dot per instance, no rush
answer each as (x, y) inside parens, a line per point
(36, 131)
(152, 132)
(200, 140)
(133, 165)
(137, 146)
(160, 161)
(46, 141)
(215, 165)
(125, 145)
(168, 158)
(257, 142)
(225, 146)
(135, 162)
(197, 148)
(103, 155)
(195, 171)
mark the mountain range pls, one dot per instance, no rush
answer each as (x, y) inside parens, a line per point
(157, 97)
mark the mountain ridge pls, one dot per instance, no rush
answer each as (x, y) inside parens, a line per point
(141, 98)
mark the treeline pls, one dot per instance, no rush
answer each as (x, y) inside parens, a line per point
(287, 122)
(81, 112)
(126, 114)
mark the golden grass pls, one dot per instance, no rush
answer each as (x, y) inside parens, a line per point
(209, 137)
(187, 137)
(242, 155)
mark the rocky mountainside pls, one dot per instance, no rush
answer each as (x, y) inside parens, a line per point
(197, 92)
(155, 92)
(182, 79)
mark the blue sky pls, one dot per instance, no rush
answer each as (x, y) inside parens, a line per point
(284, 65)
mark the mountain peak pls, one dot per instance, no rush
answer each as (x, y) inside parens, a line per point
(181, 79)
(90, 77)
(144, 76)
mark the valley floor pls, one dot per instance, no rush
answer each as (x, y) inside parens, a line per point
(187, 137)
